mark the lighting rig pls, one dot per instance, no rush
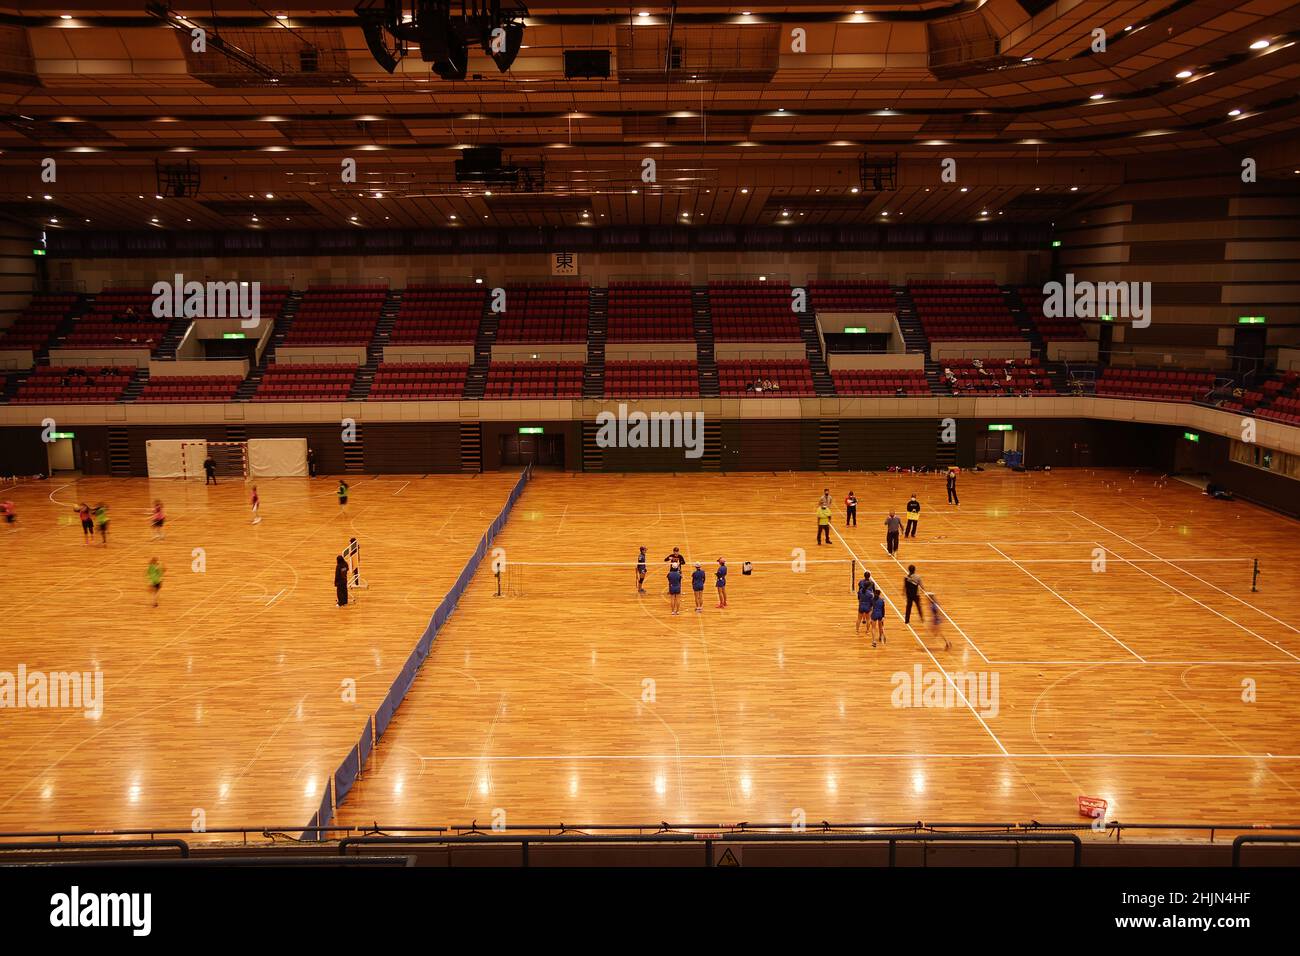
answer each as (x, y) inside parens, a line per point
(443, 30)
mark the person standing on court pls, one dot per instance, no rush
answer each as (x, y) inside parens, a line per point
(675, 588)
(823, 522)
(675, 560)
(720, 582)
(697, 586)
(640, 571)
(893, 524)
(912, 588)
(341, 581)
(154, 574)
(256, 503)
(826, 498)
(952, 488)
(913, 516)
(210, 470)
(343, 493)
(851, 510)
(311, 463)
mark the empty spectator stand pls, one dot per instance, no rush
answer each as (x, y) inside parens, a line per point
(544, 313)
(1053, 329)
(58, 385)
(856, 381)
(752, 311)
(190, 388)
(305, 383)
(118, 319)
(650, 312)
(418, 381)
(534, 380)
(1272, 398)
(962, 309)
(851, 295)
(994, 376)
(37, 323)
(1154, 384)
(652, 378)
(793, 377)
(439, 315)
(337, 315)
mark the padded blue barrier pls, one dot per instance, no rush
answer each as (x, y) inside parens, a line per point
(343, 779)
(346, 775)
(309, 835)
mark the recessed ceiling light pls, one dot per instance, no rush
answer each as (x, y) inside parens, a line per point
(87, 220)
(963, 189)
(1074, 189)
(1036, 188)
(1234, 112)
(1026, 59)
(65, 16)
(634, 192)
(353, 218)
(1183, 74)
(452, 216)
(744, 192)
(141, 197)
(1096, 96)
(984, 212)
(487, 192)
(885, 213)
(55, 220)
(762, 278)
(854, 189)
(154, 219)
(1126, 29)
(644, 13)
(1259, 44)
(255, 219)
(858, 12)
(251, 196)
(48, 196)
(281, 16)
(270, 195)
(780, 109)
(686, 215)
(187, 220)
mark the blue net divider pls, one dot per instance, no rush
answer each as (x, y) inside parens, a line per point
(346, 775)
(340, 784)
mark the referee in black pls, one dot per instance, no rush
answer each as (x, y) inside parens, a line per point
(912, 589)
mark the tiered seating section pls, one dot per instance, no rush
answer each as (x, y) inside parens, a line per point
(1277, 398)
(32, 329)
(650, 312)
(995, 376)
(881, 382)
(636, 379)
(306, 383)
(1052, 330)
(793, 378)
(544, 313)
(439, 314)
(534, 380)
(73, 386)
(753, 312)
(962, 310)
(179, 388)
(337, 315)
(119, 319)
(865, 295)
(416, 381)
(1154, 385)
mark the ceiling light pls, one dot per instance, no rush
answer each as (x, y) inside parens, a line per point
(634, 192)
(1026, 59)
(744, 192)
(487, 192)
(1037, 188)
(281, 16)
(785, 212)
(963, 189)
(1074, 189)
(55, 220)
(854, 189)
(87, 220)
(1259, 44)
(353, 218)
(270, 195)
(1183, 74)
(780, 109)
(49, 196)
(153, 220)
(1096, 96)
(885, 213)
(1126, 29)
(984, 212)
(858, 12)
(1234, 112)
(255, 219)
(644, 13)
(65, 16)
(762, 278)
(141, 197)
(452, 216)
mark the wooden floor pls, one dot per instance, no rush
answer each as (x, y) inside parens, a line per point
(230, 697)
(571, 698)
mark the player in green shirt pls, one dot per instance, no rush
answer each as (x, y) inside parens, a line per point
(154, 574)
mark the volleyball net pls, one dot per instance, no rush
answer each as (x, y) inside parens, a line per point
(532, 579)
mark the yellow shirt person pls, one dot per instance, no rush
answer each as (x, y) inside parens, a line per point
(823, 523)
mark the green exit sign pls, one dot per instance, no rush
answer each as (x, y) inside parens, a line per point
(525, 430)
(856, 330)
(56, 436)
(1251, 320)
(1056, 243)
(1191, 436)
(38, 252)
(1001, 428)
(233, 335)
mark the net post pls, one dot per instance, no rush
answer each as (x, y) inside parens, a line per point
(853, 573)
(1254, 578)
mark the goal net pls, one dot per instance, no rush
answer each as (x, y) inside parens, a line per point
(230, 458)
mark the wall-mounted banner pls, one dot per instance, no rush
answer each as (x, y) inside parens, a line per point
(564, 264)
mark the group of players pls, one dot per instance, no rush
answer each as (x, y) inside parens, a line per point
(676, 562)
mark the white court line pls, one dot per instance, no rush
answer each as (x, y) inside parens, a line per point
(920, 642)
(1072, 560)
(520, 758)
(1189, 574)
(950, 618)
(1071, 606)
(400, 490)
(1148, 662)
(274, 599)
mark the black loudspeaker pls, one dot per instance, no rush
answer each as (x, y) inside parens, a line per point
(443, 47)
(586, 64)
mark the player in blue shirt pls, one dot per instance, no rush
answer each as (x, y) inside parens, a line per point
(936, 619)
(674, 589)
(720, 582)
(865, 599)
(878, 618)
(640, 571)
(697, 586)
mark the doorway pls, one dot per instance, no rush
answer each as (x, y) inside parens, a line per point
(543, 451)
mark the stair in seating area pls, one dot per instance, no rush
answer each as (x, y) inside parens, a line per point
(823, 384)
(711, 460)
(283, 322)
(476, 380)
(1037, 347)
(702, 317)
(119, 453)
(915, 340)
(471, 447)
(176, 330)
(354, 452)
(12, 382)
(945, 453)
(42, 355)
(593, 373)
(135, 386)
(375, 348)
(593, 456)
